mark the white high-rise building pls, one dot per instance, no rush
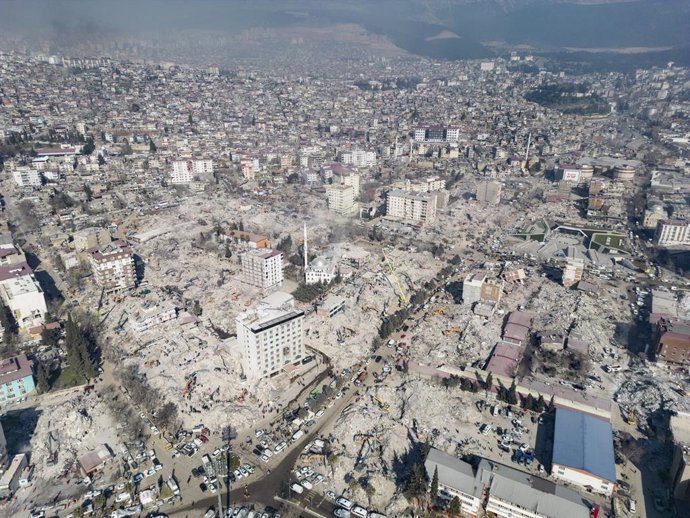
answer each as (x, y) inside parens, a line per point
(411, 206)
(341, 199)
(22, 294)
(358, 158)
(25, 177)
(270, 336)
(673, 232)
(185, 170)
(263, 268)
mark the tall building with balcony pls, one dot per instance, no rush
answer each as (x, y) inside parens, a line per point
(672, 232)
(341, 199)
(409, 206)
(23, 295)
(270, 336)
(263, 268)
(113, 266)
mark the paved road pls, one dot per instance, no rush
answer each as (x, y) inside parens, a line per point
(271, 484)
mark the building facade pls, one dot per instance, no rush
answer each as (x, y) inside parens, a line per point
(436, 134)
(672, 232)
(16, 378)
(270, 337)
(411, 206)
(23, 295)
(263, 268)
(113, 266)
(90, 238)
(341, 199)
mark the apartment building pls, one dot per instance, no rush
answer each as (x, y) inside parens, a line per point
(270, 336)
(25, 177)
(672, 232)
(263, 268)
(151, 315)
(680, 466)
(113, 266)
(493, 489)
(572, 271)
(358, 158)
(411, 206)
(341, 199)
(673, 342)
(184, 171)
(16, 378)
(436, 134)
(472, 287)
(88, 238)
(23, 295)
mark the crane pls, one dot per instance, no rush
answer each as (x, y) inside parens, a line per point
(404, 301)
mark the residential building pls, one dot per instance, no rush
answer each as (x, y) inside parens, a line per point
(247, 239)
(680, 465)
(672, 232)
(16, 378)
(23, 295)
(516, 494)
(583, 451)
(11, 254)
(341, 199)
(673, 343)
(184, 171)
(569, 173)
(436, 134)
(430, 184)
(263, 268)
(152, 315)
(95, 460)
(9, 482)
(358, 158)
(270, 336)
(411, 206)
(113, 266)
(572, 272)
(456, 478)
(489, 192)
(340, 174)
(25, 177)
(497, 490)
(334, 305)
(472, 287)
(88, 238)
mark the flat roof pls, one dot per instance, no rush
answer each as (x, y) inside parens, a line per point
(15, 368)
(584, 442)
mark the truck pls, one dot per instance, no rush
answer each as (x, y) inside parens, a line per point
(361, 377)
(297, 435)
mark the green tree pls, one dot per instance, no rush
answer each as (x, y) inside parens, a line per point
(454, 507)
(79, 352)
(99, 501)
(488, 383)
(512, 394)
(433, 491)
(332, 461)
(78, 512)
(101, 160)
(152, 146)
(234, 461)
(88, 147)
(196, 309)
(50, 336)
(42, 377)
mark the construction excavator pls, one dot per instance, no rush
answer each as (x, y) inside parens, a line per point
(382, 404)
(404, 300)
(440, 311)
(452, 331)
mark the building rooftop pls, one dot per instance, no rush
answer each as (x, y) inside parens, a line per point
(114, 248)
(11, 271)
(14, 368)
(584, 442)
(452, 472)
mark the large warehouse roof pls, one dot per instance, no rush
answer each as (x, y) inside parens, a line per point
(585, 442)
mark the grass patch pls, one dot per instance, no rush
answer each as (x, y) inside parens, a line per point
(67, 378)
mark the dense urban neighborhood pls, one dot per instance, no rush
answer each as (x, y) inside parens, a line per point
(377, 286)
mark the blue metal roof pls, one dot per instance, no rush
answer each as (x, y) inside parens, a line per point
(584, 442)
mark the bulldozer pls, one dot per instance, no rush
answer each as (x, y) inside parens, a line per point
(384, 406)
(440, 311)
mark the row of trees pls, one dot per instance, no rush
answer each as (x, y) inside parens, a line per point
(142, 393)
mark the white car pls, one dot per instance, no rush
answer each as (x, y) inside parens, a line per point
(360, 511)
(306, 484)
(343, 502)
(297, 488)
(341, 513)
